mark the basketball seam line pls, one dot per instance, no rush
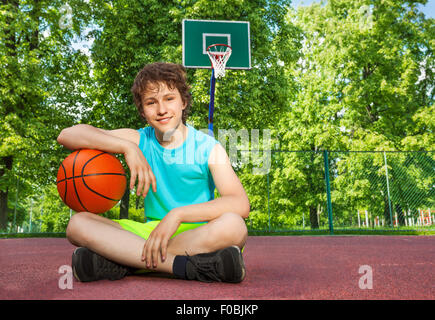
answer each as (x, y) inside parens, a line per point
(92, 174)
(74, 183)
(84, 182)
(66, 184)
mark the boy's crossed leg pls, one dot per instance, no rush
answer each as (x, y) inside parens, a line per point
(109, 240)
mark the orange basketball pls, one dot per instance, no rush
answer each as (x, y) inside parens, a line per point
(91, 180)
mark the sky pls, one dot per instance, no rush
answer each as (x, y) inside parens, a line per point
(428, 9)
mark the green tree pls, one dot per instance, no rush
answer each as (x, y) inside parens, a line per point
(40, 81)
(359, 83)
(375, 60)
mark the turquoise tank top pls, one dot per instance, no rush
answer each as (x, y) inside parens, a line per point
(182, 174)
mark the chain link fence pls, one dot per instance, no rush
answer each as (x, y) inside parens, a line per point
(343, 190)
(292, 191)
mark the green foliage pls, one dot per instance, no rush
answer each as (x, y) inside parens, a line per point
(364, 75)
(341, 75)
(40, 82)
(363, 81)
(133, 214)
(50, 212)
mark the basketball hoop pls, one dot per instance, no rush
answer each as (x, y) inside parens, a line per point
(219, 55)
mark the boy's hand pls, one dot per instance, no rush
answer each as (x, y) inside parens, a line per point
(157, 243)
(140, 170)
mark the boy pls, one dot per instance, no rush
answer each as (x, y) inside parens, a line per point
(188, 233)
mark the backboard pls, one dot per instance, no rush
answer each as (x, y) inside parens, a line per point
(199, 34)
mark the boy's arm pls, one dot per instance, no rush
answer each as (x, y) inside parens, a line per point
(233, 196)
(83, 136)
(123, 141)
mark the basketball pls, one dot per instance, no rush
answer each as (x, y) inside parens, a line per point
(91, 180)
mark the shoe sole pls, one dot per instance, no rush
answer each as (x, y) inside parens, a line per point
(241, 264)
(75, 260)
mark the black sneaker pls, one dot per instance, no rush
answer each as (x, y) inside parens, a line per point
(224, 265)
(90, 266)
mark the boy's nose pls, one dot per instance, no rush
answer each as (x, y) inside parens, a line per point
(161, 109)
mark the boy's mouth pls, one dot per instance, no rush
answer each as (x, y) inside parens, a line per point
(164, 120)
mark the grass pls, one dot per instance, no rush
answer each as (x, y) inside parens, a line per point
(33, 235)
(343, 232)
(319, 232)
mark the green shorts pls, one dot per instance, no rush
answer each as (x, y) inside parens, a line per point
(144, 230)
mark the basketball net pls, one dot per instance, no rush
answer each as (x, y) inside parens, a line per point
(219, 55)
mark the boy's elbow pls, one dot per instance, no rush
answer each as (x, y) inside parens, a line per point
(64, 136)
(68, 134)
(61, 137)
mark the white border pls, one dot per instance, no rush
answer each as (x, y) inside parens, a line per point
(205, 35)
(224, 21)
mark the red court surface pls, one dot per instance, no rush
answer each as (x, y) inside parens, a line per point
(289, 268)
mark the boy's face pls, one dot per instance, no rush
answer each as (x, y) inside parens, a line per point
(162, 107)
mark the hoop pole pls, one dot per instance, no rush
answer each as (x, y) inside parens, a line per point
(211, 105)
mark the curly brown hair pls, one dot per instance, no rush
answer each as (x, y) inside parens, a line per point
(173, 75)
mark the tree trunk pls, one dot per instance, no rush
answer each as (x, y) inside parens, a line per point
(313, 185)
(3, 209)
(123, 211)
(313, 218)
(387, 212)
(400, 215)
(5, 164)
